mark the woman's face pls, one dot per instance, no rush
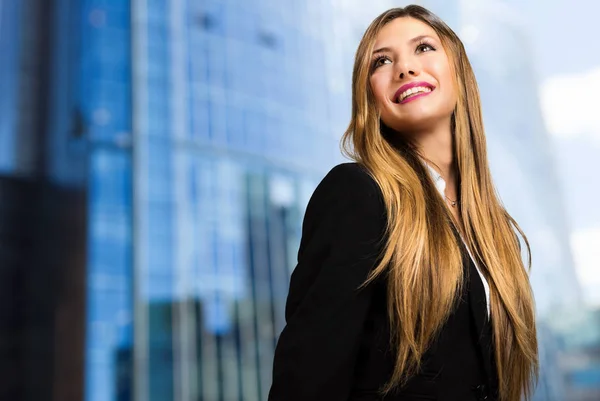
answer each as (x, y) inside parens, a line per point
(411, 77)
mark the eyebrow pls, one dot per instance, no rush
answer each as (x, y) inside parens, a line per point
(413, 40)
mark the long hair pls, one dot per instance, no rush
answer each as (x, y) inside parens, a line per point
(422, 258)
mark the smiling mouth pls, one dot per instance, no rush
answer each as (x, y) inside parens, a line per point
(412, 92)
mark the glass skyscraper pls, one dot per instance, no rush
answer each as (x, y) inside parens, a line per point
(237, 112)
(9, 39)
(211, 124)
(197, 131)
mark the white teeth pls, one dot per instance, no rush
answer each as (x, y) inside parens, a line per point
(411, 91)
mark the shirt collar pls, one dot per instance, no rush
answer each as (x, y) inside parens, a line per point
(439, 182)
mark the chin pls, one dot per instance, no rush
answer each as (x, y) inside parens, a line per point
(416, 119)
(416, 122)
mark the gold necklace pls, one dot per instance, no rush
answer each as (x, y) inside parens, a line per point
(452, 203)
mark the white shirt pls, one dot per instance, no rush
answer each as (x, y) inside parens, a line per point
(440, 184)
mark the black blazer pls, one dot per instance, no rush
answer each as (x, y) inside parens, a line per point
(335, 345)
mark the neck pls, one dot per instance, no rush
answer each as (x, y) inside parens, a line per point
(436, 146)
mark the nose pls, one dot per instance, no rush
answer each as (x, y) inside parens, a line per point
(408, 68)
(409, 72)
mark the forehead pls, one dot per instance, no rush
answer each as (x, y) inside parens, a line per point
(402, 30)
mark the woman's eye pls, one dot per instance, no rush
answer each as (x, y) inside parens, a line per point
(380, 61)
(424, 47)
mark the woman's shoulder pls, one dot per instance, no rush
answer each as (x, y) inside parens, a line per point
(348, 183)
(351, 176)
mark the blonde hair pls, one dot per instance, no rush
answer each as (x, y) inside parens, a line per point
(422, 257)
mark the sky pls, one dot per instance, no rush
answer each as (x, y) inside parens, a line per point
(565, 36)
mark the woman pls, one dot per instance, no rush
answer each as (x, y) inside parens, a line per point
(409, 283)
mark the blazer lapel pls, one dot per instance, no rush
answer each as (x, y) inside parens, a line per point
(478, 308)
(477, 305)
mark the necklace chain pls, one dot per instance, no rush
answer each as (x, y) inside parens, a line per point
(452, 202)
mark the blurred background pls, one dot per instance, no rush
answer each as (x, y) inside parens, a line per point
(156, 158)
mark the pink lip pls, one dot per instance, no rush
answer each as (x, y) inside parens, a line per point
(408, 99)
(412, 85)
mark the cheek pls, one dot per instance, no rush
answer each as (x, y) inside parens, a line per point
(378, 88)
(446, 82)
(445, 75)
(450, 88)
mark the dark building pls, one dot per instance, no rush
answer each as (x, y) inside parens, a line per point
(43, 208)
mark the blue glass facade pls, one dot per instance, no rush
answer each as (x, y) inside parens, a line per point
(227, 151)
(67, 151)
(104, 102)
(9, 43)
